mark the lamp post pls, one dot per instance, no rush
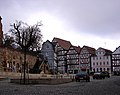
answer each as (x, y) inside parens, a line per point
(57, 67)
(24, 66)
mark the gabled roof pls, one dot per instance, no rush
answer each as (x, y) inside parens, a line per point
(78, 49)
(63, 43)
(117, 50)
(90, 49)
(53, 44)
(106, 51)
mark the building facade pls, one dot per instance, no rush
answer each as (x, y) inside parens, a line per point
(61, 49)
(102, 60)
(13, 59)
(85, 58)
(73, 59)
(48, 51)
(116, 60)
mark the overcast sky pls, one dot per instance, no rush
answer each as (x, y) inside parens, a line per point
(95, 23)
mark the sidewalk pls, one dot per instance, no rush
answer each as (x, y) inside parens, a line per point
(2, 78)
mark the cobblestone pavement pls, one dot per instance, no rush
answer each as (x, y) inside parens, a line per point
(108, 86)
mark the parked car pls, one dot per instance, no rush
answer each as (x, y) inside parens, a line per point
(91, 73)
(82, 76)
(117, 73)
(106, 74)
(98, 75)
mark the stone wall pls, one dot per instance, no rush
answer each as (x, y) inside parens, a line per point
(12, 59)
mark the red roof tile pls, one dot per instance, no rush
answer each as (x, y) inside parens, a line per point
(90, 49)
(63, 43)
(78, 49)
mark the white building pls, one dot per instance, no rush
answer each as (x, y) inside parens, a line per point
(48, 51)
(102, 60)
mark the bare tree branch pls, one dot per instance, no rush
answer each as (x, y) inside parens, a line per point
(26, 36)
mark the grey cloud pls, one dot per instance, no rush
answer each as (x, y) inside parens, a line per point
(96, 17)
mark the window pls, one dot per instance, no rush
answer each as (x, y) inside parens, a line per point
(13, 62)
(100, 63)
(103, 63)
(97, 69)
(107, 57)
(97, 58)
(97, 63)
(104, 69)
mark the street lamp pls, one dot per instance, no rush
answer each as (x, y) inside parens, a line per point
(24, 64)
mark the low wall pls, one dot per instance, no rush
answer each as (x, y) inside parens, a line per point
(42, 81)
(37, 78)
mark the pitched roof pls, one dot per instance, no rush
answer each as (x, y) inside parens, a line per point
(117, 50)
(53, 44)
(78, 49)
(106, 51)
(90, 49)
(63, 43)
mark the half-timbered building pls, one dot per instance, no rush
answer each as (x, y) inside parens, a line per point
(73, 59)
(116, 60)
(85, 60)
(61, 49)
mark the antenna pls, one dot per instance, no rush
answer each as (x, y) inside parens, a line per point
(105, 44)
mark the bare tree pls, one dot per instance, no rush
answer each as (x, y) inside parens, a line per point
(8, 40)
(27, 36)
